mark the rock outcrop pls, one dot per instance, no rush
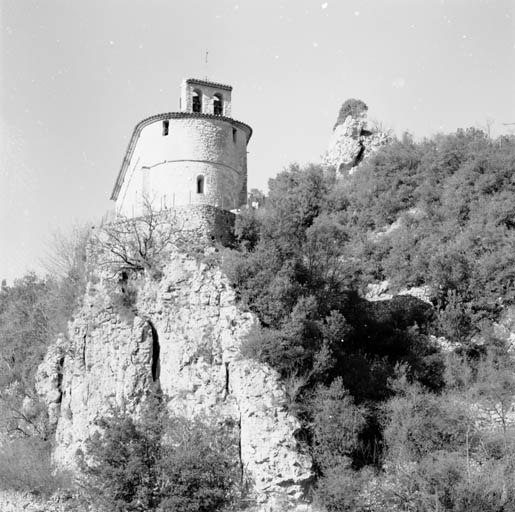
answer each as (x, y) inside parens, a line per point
(504, 329)
(182, 333)
(381, 291)
(351, 142)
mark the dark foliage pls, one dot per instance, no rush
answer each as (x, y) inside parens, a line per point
(351, 107)
(439, 213)
(434, 213)
(159, 463)
(33, 311)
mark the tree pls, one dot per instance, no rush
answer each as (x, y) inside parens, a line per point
(121, 465)
(66, 256)
(159, 463)
(25, 332)
(67, 274)
(199, 469)
(139, 244)
(337, 425)
(33, 312)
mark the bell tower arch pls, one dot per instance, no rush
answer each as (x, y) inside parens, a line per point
(204, 97)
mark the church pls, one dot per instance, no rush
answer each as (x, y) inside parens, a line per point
(197, 156)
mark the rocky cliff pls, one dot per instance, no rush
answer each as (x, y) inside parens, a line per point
(182, 333)
(351, 142)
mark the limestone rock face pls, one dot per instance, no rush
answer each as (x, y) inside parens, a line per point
(49, 377)
(505, 327)
(381, 291)
(184, 337)
(351, 142)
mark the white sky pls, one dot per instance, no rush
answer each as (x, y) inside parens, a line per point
(78, 75)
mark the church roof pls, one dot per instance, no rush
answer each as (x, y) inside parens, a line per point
(196, 81)
(162, 117)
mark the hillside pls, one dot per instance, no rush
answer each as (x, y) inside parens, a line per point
(427, 380)
(349, 349)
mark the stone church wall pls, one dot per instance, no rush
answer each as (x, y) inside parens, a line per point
(165, 168)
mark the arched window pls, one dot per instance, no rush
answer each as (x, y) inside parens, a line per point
(218, 105)
(200, 184)
(196, 101)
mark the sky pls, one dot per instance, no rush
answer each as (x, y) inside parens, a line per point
(76, 77)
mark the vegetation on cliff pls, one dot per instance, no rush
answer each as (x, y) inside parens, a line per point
(392, 421)
(33, 311)
(350, 107)
(159, 463)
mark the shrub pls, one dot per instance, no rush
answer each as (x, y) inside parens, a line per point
(159, 463)
(339, 490)
(421, 423)
(337, 424)
(197, 472)
(25, 465)
(351, 107)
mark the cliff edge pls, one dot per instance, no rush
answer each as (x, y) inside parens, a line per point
(178, 331)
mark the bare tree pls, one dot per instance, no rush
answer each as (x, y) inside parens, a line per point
(66, 253)
(137, 244)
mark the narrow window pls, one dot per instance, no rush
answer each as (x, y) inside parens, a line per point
(200, 184)
(234, 132)
(166, 123)
(196, 101)
(218, 105)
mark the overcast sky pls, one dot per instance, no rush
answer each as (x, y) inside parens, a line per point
(78, 75)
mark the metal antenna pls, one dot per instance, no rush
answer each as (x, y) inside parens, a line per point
(206, 61)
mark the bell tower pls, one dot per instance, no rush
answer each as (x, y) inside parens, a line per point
(201, 97)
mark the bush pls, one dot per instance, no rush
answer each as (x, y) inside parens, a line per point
(421, 423)
(25, 465)
(196, 473)
(351, 107)
(339, 490)
(159, 463)
(337, 424)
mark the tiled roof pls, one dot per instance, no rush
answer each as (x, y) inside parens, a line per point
(209, 84)
(162, 117)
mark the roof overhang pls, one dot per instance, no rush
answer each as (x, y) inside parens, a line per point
(162, 117)
(214, 85)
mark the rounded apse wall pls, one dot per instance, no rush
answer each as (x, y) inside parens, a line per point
(187, 160)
